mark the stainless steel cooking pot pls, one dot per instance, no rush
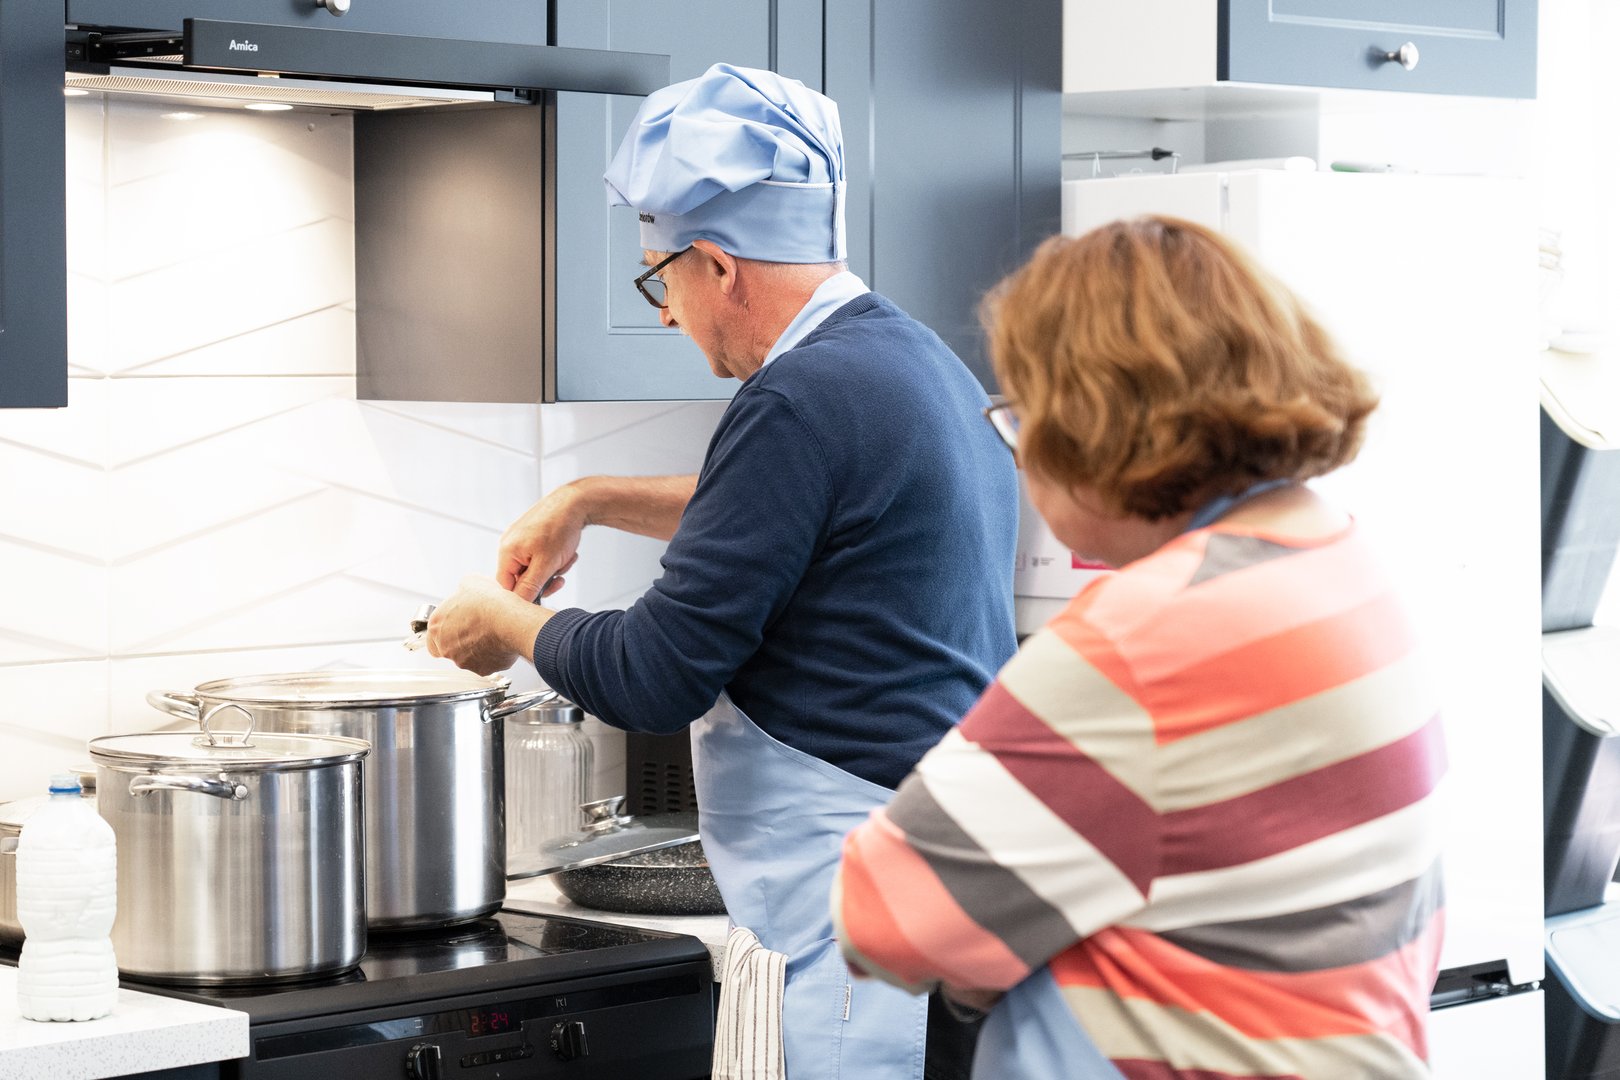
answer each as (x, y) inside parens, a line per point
(12, 816)
(240, 858)
(435, 781)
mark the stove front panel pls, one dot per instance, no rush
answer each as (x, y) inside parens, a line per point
(653, 1024)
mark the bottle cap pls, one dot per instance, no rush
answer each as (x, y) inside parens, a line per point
(64, 784)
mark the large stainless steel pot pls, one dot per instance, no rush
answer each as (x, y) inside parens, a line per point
(240, 858)
(435, 781)
(12, 816)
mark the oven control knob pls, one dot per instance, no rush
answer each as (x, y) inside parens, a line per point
(423, 1062)
(568, 1040)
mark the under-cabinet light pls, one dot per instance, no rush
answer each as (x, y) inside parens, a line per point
(205, 88)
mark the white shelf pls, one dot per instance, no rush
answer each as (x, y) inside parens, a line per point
(1234, 101)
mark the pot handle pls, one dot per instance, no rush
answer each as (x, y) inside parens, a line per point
(519, 702)
(185, 706)
(211, 738)
(222, 788)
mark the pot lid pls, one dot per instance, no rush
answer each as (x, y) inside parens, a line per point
(354, 689)
(259, 753)
(611, 834)
(13, 814)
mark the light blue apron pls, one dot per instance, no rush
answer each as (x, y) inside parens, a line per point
(1031, 1034)
(773, 821)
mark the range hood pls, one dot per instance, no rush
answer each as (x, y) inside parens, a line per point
(211, 61)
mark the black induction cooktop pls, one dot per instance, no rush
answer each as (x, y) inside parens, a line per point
(510, 949)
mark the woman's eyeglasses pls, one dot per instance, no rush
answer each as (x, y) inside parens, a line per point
(651, 286)
(1005, 421)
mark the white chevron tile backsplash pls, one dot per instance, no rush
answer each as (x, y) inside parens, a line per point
(51, 711)
(214, 502)
(317, 343)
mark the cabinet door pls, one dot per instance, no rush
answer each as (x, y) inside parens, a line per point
(33, 191)
(609, 344)
(952, 129)
(515, 21)
(1484, 48)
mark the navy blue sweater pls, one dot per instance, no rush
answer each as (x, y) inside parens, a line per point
(843, 570)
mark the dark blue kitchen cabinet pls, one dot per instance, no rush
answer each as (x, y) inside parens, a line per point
(1466, 48)
(608, 342)
(513, 21)
(952, 116)
(1483, 48)
(951, 119)
(33, 260)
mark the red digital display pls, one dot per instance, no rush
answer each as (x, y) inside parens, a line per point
(488, 1021)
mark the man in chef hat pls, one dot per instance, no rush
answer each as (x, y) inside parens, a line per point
(837, 587)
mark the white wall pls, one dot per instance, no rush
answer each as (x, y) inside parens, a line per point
(214, 501)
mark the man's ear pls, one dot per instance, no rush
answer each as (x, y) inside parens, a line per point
(723, 263)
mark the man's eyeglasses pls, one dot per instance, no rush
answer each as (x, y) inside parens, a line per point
(652, 287)
(1005, 421)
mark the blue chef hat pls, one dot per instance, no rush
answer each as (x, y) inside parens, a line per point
(745, 158)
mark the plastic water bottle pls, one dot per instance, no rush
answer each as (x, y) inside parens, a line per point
(67, 896)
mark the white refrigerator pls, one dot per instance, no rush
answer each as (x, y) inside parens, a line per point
(1430, 284)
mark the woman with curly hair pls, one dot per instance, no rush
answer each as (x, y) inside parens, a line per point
(1189, 831)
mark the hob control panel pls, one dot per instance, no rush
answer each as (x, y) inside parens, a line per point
(661, 1024)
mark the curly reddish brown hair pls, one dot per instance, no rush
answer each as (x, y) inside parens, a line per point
(1151, 361)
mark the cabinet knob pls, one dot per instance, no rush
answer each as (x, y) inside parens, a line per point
(336, 7)
(1406, 56)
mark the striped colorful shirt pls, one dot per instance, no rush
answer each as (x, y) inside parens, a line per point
(1203, 796)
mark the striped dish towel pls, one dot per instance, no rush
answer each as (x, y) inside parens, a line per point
(748, 1030)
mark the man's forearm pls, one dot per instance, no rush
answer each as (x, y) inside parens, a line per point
(644, 505)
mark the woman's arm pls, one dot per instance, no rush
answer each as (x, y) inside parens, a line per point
(1022, 832)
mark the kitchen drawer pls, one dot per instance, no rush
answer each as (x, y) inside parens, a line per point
(1480, 48)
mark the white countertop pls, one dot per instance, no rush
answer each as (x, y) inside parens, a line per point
(143, 1033)
(540, 895)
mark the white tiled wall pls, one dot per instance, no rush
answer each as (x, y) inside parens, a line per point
(214, 501)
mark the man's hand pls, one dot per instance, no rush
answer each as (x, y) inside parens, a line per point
(483, 627)
(542, 545)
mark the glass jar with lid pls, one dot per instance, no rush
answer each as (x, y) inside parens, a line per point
(548, 770)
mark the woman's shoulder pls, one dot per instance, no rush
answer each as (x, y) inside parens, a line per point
(1242, 557)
